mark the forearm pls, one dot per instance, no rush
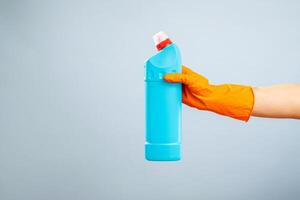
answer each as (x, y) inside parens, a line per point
(278, 101)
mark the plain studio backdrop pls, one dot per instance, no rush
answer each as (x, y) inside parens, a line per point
(72, 100)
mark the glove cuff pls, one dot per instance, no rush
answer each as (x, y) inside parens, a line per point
(236, 101)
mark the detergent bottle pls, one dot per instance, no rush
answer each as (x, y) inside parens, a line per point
(163, 102)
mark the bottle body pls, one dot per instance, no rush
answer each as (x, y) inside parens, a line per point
(163, 106)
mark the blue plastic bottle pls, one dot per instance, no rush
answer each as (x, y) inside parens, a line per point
(163, 103)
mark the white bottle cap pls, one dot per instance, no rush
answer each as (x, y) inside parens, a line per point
(159, 37)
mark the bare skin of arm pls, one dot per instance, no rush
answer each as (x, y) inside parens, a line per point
(278, 101)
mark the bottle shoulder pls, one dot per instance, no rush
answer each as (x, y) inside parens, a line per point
(165, 61)
(166, 58)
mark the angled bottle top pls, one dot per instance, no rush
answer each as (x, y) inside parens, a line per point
(167, 60)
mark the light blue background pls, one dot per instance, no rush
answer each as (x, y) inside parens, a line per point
(72, 100)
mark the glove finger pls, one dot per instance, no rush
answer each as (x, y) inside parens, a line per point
(176, 78)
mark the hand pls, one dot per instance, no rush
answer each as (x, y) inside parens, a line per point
(231, 100)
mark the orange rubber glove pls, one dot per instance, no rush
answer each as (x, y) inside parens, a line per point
(231, 100)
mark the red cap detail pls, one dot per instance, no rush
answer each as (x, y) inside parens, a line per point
(163, 44)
